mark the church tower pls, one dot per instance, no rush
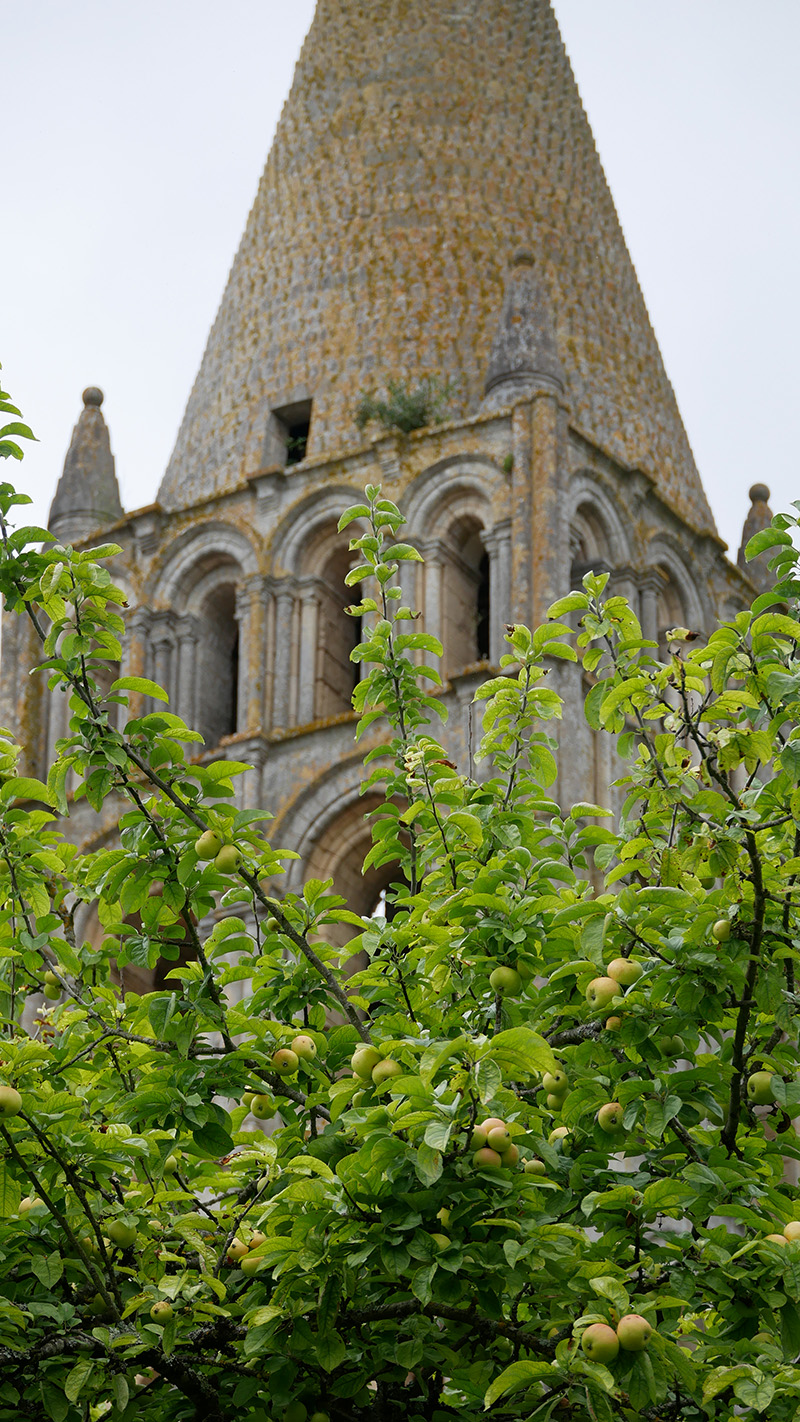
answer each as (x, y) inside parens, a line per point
(433, 207)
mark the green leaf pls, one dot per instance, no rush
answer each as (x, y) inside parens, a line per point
(19, 787)
(667, 1195)
(119, 1387)
(520, 1049)
(516, 1376)
(756, 1391)
(429, 1164)
(331, 1350)
(142, 684)
(77, 1377)
(764, 539)
(48, 1268)
(10, 1193)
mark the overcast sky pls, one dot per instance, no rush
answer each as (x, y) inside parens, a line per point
(135, 134)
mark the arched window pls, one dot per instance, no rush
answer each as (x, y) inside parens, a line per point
(466, 620)
(338, 634)
(218, 652)
(589, 544)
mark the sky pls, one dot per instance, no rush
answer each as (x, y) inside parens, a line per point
(135, 135)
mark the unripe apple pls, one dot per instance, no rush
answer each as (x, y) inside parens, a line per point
(776, 1239)
(624, 971)
(600, 1343)
(609, 1118)
(499, 1139)
(505, 980)
(51, 979)
(490, 1123)
(613, 1024)
(792, 1230)
(162, 1311)
(554, 1103)
(285, 1061)
(10, 1101)
(251, 1263)
(170, 1165)
(122, 1234)
(208, 845)
(670, 1046)
(304, 1047)
(559, 1134)
(228, 859)
(247, 1098)
(525, 970)
(257, 1238)
(364, 1060)
(29, 1202)
(478, 1138)
(535, 1167)
(510, 1157)
(237, 1249)
(262, 1107)
(634, 1332)
(295, 1412)
(319, 1417)
(52, 993)
(487, 1159)
(600, 992)
(759, 1088)
(555, 1082)
(721, 930)
(385, 1070)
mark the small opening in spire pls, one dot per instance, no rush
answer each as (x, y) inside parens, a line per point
(292, 427)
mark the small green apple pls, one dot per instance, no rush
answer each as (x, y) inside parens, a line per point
(247, 1098)
(609, 1118)
(505, 980)
(208, 845)
(122, 1234)
(759, 1088)
(285, 1061)
(559, 1135)
(295, 1412)
(556, 1083)
(171, 1164)
(52, 993)
(487, 1159)
(385, 1070)
(634, 1332)
(670, 1046)
(10, 1101)
(52, 979)
(28, 1203)
(792, 1230)
(364, 1060)
(236, 1250)
(600, 992)
(162, 1311)
(600, 1343)
(721, 930)
(228, 859)
(779, 1239)
(262, 1107)
(257, 1238)
(490, 1123)
(319, 1417)
(304, 1047)
(478, 1138)
(624, 971)
(499, 1139)
(535, 1167)
(251, 1263)
(510, 1157)
(554, 1102)
(613, 1024)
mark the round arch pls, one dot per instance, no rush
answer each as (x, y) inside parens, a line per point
(194, 557)
(597, 522)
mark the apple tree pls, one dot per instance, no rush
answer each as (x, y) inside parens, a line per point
(536, 1158)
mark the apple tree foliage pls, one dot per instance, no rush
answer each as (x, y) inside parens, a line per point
(164, 1257)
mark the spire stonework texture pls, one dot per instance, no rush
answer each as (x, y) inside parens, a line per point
(422, 142)
(433, 206)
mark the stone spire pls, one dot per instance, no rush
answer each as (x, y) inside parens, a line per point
(423, 142)
(87, 497)
(759, 516)
(524, 355)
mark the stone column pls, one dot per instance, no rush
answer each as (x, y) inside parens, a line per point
(309, 652)
(162, 662)
(549, 543)
(433, 552)
(649, 604)
(135, 656)
(497, 542)
(250, 617)
(282, 659)
(187, 670)
(521, 517)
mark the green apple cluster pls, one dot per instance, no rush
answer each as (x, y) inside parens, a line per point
(601, 1343)
(493, 1147)
(370, 1065)
(226, 857)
